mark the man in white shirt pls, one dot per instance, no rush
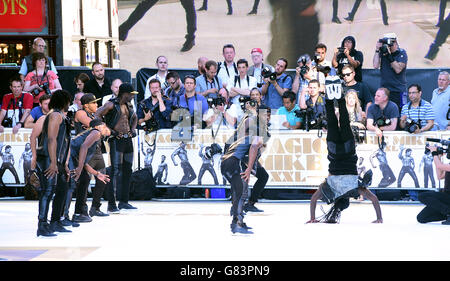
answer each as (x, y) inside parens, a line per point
(242, 83)
(227, 69)
(221, 112)
(163, 65)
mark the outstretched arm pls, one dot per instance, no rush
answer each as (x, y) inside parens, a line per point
(312, 207)
(376, 204)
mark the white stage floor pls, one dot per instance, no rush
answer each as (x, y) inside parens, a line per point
(196, 231)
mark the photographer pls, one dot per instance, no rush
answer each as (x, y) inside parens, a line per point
(392, 61)
(155, 111)
(208, 83)
(290, 109)
(320, 62)
(221, 112)
(305, 72)
(16, 106)
(242, 82)
(41, 80)
(383, 114)
(312, 101)
(273, 89)
(176, 87)
(417, 115)
(437, 204)
(347, 54)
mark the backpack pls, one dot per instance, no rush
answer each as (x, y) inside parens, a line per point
(142, 185)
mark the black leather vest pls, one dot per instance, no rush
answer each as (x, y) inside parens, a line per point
(113, 116)
(62, 141)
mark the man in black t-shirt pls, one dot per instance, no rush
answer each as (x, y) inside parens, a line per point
(364, 95)
(100, 86)
(347, 54)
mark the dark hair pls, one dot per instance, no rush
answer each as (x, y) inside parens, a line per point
(96, 63)
(242, 61)
(44, 97)
(321, 46)
(289, 95)
(15, 78)
(172, 74)
(210, 63)
(59, 100)
(314, 81)
(415, 85)
(83, 77)
(38, 56)
(228, 46)
(154, 80)
(189, 76)
(285, 60)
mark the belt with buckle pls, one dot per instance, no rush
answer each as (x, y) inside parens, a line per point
(124, 136)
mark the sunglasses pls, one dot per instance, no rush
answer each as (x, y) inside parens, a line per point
(347, 74)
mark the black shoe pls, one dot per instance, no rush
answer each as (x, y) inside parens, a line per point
(336, 20)
(68, 222)
(349, 18)
(113, 209)
(251, 208)
(385, 21)
(188, 45)
(432, 52)
(126, 206)
(202, 8)
(253, 12)
(240, 229)
(96, 212)
(81, 218)
(229, 13)
(447, 221)
(44, 230)
(56, 226)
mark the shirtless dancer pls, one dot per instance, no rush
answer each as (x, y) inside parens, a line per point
(120, 117)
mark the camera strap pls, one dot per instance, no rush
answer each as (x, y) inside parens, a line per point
(214, 135)
(418, 113)
(237, 78)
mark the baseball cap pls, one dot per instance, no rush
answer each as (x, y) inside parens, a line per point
(391, 35)
(127, 88)
(88, 98)
(256, 50)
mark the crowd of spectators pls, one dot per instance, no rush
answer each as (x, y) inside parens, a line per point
(218, 92)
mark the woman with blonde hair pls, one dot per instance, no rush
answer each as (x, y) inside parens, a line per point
(356, 115)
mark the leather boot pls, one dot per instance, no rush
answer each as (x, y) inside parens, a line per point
(44, 230)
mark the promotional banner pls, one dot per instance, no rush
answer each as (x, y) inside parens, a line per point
(22, 16)
(293, 158)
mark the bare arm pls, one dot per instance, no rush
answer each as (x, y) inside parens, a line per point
(312, 207)
(54, 121)
(376, 204)
(35, 133)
